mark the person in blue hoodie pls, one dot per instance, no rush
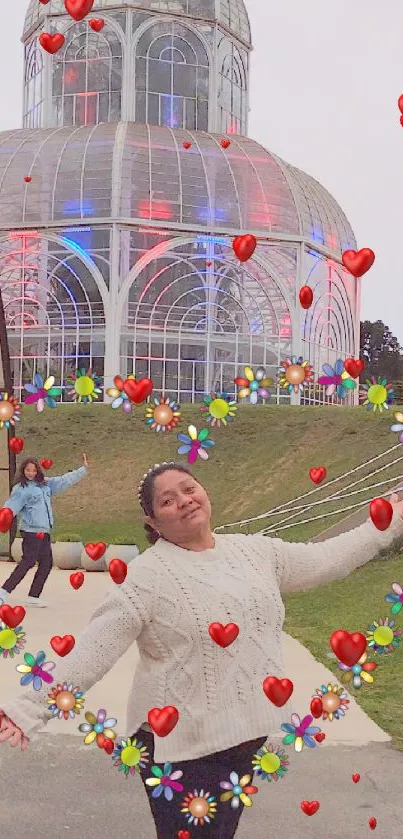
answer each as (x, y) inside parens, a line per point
(32, 498)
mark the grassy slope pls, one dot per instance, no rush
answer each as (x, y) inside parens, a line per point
(261, 461)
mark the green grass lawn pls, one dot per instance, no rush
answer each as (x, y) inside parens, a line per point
(261, 461)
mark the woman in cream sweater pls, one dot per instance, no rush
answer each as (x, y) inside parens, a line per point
(189, 579)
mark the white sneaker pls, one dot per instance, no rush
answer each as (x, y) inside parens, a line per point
(4, 595)
(36, 601)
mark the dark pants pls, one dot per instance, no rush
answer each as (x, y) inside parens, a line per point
(203, 774)
(34, 550)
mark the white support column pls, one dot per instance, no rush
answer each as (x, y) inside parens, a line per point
(112, 327)
(296, 344)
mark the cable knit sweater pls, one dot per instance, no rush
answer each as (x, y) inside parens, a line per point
(169, 598)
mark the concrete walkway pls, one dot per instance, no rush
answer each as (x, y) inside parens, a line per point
(70, 773)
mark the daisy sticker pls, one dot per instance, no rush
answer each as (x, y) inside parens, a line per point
(382, 637)
(85, 386)
(219, 409)
(294, 374)
(195, 444)
(238, 790)
(299, 732)
(65, 701)
(10, 411)
(165, 782)
(253, 385)
(130, 756)
(36, 670)
(199, 807)
(163, 415)
(376, 394)
(12, 641)
(333, 702)
(42, 393)
(271, 763)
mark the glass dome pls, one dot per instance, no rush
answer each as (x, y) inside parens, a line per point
(119, 171)
(232, 13)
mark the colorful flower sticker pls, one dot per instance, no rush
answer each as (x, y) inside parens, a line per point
(382, 637)
(336, 379)
(271, 763)
(65, 701)
(199, 807)
(130, 756)
(119, 396)
(294, 374)
(300, 732)
(35, 670)
(395, 597)
(219, 409)
(85, 386)
(41, 393)
(238, 790)
(195, 444)
(253, 385)
(398, 426)
(360, 673)
(12, 641)
(10, 411)
(376, 394)
(97, 728)
(333, 701)
(165, 781)
(163, 415)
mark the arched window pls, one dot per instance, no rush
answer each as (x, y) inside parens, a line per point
(232, 97)
(33, 86)
(172, 78)
(87, 78)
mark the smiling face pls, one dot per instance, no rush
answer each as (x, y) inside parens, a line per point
(181, 508)
(30, 471)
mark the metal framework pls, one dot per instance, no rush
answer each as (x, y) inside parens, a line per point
(116, 249)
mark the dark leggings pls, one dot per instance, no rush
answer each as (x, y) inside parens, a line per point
(33, 550)
(201, 775)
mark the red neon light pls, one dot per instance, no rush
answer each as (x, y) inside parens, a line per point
(159, 210)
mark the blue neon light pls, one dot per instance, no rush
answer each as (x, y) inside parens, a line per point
(78, 208)
(212, 239)
(76, 246)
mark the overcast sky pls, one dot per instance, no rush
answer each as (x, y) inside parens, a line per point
(324, 87)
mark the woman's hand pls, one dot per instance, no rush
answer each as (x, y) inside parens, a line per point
(396, 504)
(9, 731)
(85, 459)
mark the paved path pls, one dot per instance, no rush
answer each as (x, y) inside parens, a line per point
(67, 781)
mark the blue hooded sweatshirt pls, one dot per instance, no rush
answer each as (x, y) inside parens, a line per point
(34, 503)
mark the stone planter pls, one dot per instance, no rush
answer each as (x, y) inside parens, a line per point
(67, 555)
(89, 564)
(124, 552)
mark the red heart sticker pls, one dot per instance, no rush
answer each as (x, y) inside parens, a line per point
(306, 296)
(381, 512)
(76, 580)
(118, 571)
(6, 519)
(358, 262)
(223, 635)
(96, 23)
(317, 474)
(62, 646)
(278, 690)
(316, 707)
(209, 264)
(225, 144)
(138, 391)
(78, 9)
(40, 535)
(27, 179)
(400, 103)
(51, 43)
(310, 807)
(356, 778)
(244, 246)
(348, 647)
(12, 616)
(320, 737)
(16, 445)
(184, 834)
(186, 144)
(354, 367)
(163, 720)
(372, 823)
(401, 120)
(95, 550)
(46, 463)
(108, 746)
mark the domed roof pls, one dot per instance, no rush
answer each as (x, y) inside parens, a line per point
(142, 173)
(232, 13)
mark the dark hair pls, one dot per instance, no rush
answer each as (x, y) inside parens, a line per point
(20, 477)
(146, 492)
